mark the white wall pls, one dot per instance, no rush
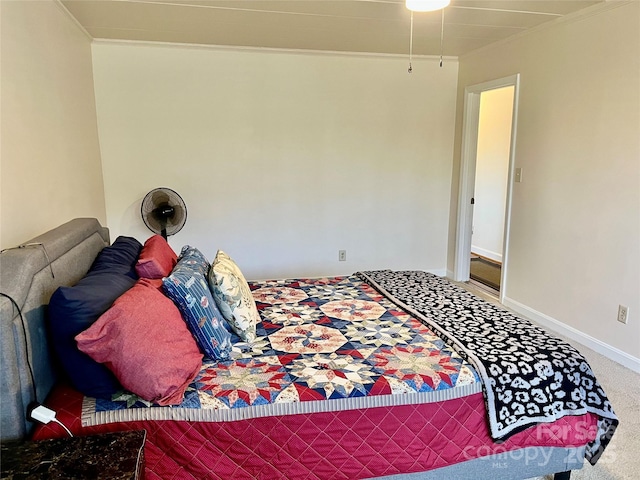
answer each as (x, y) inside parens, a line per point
(492, 167)
(575, 233)
(282, 158)
(51, 170)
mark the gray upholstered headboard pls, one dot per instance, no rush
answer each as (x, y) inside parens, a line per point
(29, 275)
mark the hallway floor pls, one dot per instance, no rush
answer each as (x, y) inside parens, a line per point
(486, 271)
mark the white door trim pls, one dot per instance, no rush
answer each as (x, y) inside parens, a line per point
(471, 115)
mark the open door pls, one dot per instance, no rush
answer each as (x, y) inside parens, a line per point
(466, 200)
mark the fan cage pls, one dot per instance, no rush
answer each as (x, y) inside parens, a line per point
(154, 202)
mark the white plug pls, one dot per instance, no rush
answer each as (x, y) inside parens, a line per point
(43, 414)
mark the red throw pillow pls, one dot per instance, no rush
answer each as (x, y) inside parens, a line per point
(157, 258)
(145, 342)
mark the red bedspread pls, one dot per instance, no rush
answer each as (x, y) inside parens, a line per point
(338, 445)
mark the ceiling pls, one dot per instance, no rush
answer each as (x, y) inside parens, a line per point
(373, 26)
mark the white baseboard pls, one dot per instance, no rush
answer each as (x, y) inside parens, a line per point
(599, 346)
(487, 253)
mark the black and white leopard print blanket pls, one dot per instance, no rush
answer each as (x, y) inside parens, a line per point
(529, 376)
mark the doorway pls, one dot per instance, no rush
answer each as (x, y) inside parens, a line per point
(490, 187)
(486, 177)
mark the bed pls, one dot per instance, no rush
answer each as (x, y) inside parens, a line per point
(377, 374)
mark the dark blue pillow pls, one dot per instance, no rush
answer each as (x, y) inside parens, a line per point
(73, 310)
(120, 257)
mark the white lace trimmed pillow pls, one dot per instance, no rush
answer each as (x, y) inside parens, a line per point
(233, 296)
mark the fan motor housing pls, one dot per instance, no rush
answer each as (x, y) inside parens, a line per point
(164, 211)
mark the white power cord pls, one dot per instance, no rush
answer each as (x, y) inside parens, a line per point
(45, 415)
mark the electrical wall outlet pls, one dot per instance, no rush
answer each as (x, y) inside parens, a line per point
(342, 255)
(623, 313)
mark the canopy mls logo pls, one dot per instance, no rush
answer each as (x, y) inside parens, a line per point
(502, 458)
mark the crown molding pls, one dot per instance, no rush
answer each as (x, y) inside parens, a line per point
(290, 51)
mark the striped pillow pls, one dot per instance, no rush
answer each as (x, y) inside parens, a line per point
(188, 288)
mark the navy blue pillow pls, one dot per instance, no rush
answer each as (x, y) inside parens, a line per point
(120, 257)
(73, 310)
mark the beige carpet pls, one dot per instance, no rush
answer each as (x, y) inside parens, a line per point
(621, 459)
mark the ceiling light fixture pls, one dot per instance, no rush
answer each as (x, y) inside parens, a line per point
(426, 5)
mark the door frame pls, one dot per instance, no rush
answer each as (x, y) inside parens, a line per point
(470, 122)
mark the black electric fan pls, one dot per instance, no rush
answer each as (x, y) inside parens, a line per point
(163, 211)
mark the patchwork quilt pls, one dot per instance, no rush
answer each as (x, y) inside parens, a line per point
(529, 376)
(323, 345)
(375, 339)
